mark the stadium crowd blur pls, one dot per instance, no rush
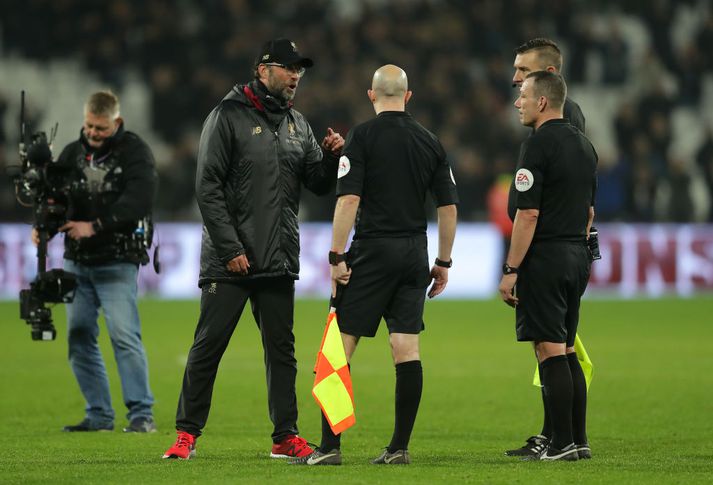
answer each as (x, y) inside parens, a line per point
(653, 57)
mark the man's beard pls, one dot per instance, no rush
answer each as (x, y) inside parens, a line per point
(285, 94)
(278, 90)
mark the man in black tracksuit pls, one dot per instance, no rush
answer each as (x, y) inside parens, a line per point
(255, 153)
(541, 54)
(549, 259)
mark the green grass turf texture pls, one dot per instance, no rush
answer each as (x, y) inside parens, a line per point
(650, 406)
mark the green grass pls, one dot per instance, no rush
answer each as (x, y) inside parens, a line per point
(651, 401)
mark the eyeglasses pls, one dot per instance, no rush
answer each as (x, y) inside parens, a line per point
(297, 69)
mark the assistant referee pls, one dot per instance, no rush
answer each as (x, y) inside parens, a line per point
(388, 167)
(548, 261)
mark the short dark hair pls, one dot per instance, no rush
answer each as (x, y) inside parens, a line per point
(547, 51)
(550, 85)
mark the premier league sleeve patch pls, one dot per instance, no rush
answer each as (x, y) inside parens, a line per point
(344, 166)
(524, 180)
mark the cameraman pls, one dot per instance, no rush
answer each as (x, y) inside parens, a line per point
(113, 182)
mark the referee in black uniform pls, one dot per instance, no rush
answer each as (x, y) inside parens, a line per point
(547, 266)
(541, 54)
(388, 166)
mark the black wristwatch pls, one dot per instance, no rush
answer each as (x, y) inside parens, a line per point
(336, 258)
(97, 226)
(444, 264)
(507, 269)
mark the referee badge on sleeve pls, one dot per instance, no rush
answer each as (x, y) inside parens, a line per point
(344, 166)
(524, 180)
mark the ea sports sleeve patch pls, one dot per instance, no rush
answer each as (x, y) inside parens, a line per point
(344, 166)
(528, 180)
(524, 180)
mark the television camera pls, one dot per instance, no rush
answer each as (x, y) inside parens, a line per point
(41, 184)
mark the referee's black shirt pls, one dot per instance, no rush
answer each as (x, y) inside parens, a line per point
(557, 174)
(392, 162)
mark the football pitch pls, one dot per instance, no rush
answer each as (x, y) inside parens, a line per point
(650, 404)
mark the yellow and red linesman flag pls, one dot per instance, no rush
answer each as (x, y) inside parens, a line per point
(333, 384)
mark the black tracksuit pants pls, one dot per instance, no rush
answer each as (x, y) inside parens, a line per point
(272, 301)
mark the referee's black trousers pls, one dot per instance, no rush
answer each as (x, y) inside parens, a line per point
(272, 301)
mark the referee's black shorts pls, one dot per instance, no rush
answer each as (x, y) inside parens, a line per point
(389, 279)
(550, 284)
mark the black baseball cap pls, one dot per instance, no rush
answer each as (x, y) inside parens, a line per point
(282, 51)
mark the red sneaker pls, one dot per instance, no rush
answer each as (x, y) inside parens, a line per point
(291, 447)
(184, 448)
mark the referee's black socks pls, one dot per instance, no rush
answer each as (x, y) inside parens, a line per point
(409, 384)
(579, 400)
(330, 441)
(546, 425)
(557, 379)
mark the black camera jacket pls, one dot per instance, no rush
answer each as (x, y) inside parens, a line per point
(248, 185)
(115, 185)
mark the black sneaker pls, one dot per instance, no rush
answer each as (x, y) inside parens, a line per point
(534, 445)
(318, 457)
(584, 451)
(86, 425)
(568, 453)
(141, 425)
(398, 457)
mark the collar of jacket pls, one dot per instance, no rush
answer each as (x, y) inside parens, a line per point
(263, 100)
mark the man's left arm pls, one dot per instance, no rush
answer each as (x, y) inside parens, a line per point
(523, 230)
(445, 195)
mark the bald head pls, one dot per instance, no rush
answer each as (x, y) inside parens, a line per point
(389, 89)
(390, 81)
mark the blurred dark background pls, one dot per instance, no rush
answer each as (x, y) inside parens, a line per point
(642, 71)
